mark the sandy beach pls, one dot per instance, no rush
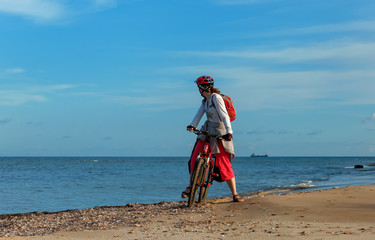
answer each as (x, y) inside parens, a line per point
(338, 213)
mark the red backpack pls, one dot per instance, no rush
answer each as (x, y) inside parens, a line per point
(229, 106)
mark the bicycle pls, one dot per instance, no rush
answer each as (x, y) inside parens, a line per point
(202, 177)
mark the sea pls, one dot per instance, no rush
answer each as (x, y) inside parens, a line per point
(50, 184)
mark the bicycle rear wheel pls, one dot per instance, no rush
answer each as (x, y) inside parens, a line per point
(195, 181)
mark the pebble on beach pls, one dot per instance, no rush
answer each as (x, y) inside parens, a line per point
(97, 218)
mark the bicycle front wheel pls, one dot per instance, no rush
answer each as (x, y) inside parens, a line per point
(207, 181)
(196, 181)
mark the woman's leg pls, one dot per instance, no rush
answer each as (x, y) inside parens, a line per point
(232, 186)
(197, 148)
(223, 161)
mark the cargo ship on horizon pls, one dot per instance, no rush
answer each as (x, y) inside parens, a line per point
(255, 155)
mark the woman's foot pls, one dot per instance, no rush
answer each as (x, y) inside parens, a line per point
(237, 198)
(186, 193)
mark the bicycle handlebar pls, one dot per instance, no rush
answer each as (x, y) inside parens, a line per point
(198, 132)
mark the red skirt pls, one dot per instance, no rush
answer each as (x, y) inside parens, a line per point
(223, 160)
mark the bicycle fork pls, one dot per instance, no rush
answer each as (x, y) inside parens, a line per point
(206, 154)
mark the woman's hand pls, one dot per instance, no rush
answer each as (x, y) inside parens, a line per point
(191, 128)
(227, 137)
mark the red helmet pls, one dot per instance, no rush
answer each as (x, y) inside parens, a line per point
(205, 82)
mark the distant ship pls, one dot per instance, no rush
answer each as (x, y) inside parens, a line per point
(254, 155)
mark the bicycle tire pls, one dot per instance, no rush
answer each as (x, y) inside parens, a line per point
(207, 183)
(195, 181)
(203, 186)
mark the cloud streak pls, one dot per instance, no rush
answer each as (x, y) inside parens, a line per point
(159, 102)
(5, 121)
(355, 26)
(259, 132)
(30, 94)
(53, 10)
(369, 119)
(35, 9)
(242, 2)
(358, 52)
(104, 3)
(13, 98)
(15, 70)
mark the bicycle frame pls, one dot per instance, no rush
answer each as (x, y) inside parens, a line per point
(209, 162)
(205, 153)
(202, 176)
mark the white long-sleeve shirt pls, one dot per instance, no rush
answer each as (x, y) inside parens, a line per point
(215, 112)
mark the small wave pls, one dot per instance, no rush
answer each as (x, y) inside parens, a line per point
(286, 188)
(87, 160)
(306, 184)
(300, 185)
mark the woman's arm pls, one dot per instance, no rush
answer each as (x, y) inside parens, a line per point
(198, 116)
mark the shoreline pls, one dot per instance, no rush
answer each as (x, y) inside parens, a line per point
(245, 195)
(319, 214)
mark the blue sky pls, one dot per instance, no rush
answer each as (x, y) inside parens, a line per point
(116, 78)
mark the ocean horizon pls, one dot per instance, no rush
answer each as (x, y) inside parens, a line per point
(50, 184)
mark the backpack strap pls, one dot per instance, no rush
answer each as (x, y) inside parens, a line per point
(213, 103)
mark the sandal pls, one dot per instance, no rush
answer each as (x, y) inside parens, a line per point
(186, 193)
(237, 198)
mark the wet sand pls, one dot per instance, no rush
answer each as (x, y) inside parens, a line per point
(338, 213)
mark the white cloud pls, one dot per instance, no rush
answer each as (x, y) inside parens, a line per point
(105, 3)
(335, 50)
(369, 119)
(133, 100)
(35, 9)
(30, 94)
(154, 103)
(13, 98)
(303, 89)
(51, 88)
(53, 10)
(356, 26)
(15, 70)
(241, 2)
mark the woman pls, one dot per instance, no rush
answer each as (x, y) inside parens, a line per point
(218, 123)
